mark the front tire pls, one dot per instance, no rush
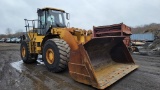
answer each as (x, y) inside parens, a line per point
(56, 54)
(26, 56)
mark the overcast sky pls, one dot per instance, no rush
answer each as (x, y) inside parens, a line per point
(83, 13)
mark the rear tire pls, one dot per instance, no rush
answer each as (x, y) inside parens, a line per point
(26, 56)
(56, 54)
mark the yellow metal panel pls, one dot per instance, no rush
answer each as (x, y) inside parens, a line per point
(73, 36)
(87, 38)
(82, 39)
(34, 39)
(66, 35)
(29, 47)
(38, 49)
(39, 38)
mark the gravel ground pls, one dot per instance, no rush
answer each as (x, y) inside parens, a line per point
(15, 75)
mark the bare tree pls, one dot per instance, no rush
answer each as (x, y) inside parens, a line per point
(18, 33)
(2, 36)
(8, 32)
(149, 28)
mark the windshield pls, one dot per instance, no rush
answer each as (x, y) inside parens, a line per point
(55, 18)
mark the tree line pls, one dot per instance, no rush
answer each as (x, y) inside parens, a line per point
(149, 28)
(9, 33)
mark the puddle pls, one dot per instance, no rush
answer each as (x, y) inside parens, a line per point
(20, 66)
(40, 62)
(45, 80)
(40, 57)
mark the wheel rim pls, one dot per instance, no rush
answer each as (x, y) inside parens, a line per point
(23, 52)
(50, 56)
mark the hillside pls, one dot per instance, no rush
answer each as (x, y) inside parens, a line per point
(153, 27)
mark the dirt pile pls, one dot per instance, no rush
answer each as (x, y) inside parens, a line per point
(155, 44)
(151, 48)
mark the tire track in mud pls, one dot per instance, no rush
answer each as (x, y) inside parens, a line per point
(146, 77)
(10, 78)
(32, 76)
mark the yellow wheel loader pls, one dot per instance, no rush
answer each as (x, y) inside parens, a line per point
(96, 61)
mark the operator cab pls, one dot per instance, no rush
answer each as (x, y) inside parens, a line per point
(50, 18)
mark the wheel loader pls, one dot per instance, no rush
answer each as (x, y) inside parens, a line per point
(95, 61)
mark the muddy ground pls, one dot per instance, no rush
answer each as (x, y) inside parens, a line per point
(15, 75)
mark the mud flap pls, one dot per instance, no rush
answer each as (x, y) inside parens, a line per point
(101, 62)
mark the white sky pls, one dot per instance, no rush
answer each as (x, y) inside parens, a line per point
(83, 13)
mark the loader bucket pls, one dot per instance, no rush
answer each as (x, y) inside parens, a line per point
(101, 62)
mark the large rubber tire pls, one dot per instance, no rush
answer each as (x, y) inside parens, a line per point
(60, 52)
(26, 56)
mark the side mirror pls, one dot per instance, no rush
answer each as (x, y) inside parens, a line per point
(67, 16)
